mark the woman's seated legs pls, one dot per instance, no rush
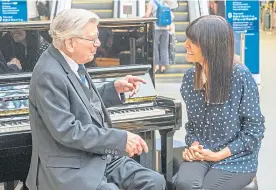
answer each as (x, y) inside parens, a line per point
(200, 175)
(217, 179)
(191, 175)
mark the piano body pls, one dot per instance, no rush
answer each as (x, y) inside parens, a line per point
(126, 49)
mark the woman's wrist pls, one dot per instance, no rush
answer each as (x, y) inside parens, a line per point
(224, 153)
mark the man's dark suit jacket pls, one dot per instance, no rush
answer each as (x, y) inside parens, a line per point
(70, 138)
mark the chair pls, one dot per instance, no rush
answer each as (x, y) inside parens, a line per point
(252, 186)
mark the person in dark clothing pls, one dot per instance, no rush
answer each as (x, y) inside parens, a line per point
(13, 66)
(221, 8)
(3, 66)
(26, 46)
(10, 67)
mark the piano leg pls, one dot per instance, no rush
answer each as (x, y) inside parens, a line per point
(10, 185)
(148, 160)
(167, 155)
(24, 186)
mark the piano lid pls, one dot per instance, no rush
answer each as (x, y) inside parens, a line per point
(126, 49)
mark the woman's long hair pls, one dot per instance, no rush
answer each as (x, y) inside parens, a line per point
(215, 38)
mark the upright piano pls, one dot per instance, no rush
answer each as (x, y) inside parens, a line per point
(126, 49)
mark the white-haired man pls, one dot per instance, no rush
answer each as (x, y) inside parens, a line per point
(74, 146)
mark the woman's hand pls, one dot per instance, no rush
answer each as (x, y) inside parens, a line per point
(210, 155)
(196, 152)
(191, 154)
(214, 156)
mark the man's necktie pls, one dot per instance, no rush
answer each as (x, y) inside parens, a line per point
(81, 72)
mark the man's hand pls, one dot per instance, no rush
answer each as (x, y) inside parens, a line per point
(128, 84)
(135, 144)
(16, 62)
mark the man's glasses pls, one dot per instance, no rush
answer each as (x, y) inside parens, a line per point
(93, 41)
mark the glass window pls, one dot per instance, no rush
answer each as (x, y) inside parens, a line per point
(20, 49)
(121, 45)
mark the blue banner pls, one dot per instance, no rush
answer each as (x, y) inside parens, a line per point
(243, 15)
(13, 11)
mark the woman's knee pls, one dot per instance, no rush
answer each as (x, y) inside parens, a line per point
(190, 175)
(185, 179)
(187, 184)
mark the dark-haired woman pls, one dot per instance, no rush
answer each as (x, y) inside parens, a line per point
(225, 125)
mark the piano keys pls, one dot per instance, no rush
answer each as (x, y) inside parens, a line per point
(118, 116)
(131, 114)
(13, 125)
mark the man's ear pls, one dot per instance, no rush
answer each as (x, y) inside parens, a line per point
(69, 45)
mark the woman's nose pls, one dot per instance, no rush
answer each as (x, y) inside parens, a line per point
(186, 44)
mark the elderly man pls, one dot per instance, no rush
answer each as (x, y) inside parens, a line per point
(74, 146)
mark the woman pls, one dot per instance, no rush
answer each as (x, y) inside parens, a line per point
(225, 125)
